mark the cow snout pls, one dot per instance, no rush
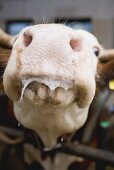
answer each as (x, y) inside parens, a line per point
(48, 52)
(73, 41)
(51, 54)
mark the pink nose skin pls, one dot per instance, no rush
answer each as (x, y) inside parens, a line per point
(74, 43)
(27, 39)
(46, 51)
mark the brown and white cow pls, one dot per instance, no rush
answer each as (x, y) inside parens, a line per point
(51, 78)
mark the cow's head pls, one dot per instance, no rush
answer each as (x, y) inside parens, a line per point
(50, 76)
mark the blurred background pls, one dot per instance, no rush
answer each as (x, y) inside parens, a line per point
(95, 16)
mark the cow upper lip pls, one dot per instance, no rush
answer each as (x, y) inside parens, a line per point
(51, 83)
(38, 90)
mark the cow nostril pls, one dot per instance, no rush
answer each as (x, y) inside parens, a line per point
(75, 45)
(27, 39)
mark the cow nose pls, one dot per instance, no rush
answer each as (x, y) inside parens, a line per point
(75, 43)
(49, 52)
(27, 38)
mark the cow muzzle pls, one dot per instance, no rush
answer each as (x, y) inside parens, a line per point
(40, 91)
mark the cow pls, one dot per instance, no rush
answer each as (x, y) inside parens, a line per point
(51, 74)
(51, 77)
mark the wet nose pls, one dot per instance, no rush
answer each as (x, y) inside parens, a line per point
(50, 52)
(27, 38)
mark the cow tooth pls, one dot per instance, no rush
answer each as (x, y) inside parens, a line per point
(69, 96)
(59, 95)
(42, 92)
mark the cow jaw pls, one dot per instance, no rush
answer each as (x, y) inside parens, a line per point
(51, 113)
(50, 121)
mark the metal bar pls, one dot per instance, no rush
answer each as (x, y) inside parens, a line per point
(92, 123)
(85, 152)
(73, 149)
(11, 132)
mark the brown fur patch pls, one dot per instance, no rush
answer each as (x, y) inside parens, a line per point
(82, 93)
(105, 68)
(5, 39)
(4, 56)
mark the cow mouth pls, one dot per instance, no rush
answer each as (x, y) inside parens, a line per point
(52, 113)
(40, 91)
